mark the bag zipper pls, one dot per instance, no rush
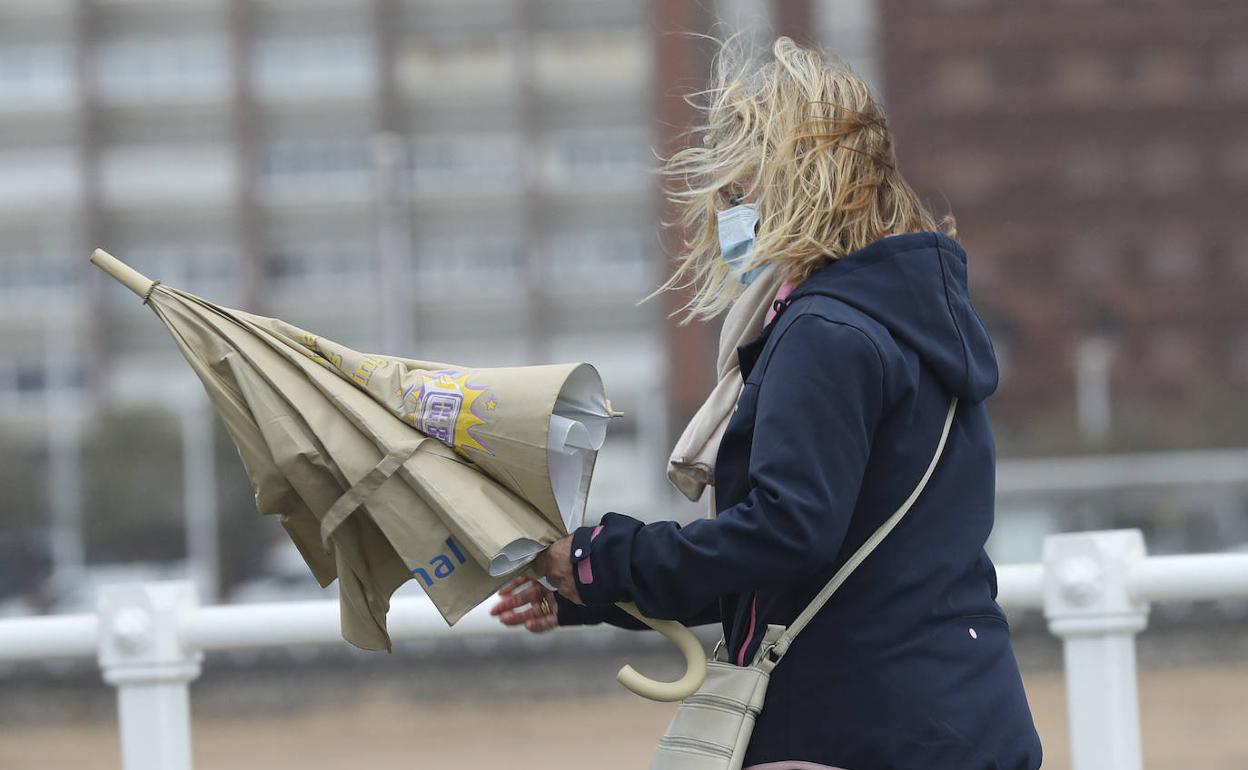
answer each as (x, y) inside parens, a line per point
(693, 744)
(734, 712)
(722, 701)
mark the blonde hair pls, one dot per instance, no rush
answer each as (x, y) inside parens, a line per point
(802, 137)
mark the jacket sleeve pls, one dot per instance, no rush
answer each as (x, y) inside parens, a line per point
(820, 398)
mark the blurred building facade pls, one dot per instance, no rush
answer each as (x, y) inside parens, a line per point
(471, 180)
(454, 181)
(451, 180)
(462, 180)
(1094, 155)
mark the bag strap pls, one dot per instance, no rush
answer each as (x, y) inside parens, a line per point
(358, 493)
(782, 644)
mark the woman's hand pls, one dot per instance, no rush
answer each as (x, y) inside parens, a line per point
(555, 564)
(528, 602)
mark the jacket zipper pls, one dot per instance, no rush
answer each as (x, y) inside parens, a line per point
(779, 306)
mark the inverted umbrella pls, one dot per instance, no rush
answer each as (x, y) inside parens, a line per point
(384, 469)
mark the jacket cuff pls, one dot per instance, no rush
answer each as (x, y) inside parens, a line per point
(608, 579)
(572, 614)
(582, 565)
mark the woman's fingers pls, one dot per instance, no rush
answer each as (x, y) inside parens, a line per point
(513, 584)
(518, 597)
(508, 592)
(531, 618)
(532, 614)
(526, 602)
(542, 624)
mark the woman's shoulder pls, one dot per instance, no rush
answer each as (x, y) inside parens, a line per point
(830, 322)
(815, 342)
(823, 338)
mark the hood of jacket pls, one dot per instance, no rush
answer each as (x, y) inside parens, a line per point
(915, 285)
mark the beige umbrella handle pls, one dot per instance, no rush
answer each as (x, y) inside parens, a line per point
(129, 277)
(695, 658)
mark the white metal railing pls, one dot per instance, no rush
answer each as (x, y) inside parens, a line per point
(1094, 587)
(1108, 473)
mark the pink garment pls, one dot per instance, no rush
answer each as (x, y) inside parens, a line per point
(749, 635)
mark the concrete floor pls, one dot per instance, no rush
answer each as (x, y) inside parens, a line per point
(1193, 717)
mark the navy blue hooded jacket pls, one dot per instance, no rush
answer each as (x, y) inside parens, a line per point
(909, 665)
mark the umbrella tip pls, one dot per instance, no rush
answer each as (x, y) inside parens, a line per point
(127, 276)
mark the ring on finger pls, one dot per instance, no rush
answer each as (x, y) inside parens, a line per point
(545, 605)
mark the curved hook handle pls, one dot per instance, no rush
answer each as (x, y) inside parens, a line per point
(695, 659)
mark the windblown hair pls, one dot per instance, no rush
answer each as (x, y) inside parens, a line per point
(802, 137)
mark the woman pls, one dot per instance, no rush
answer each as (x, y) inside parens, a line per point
(844, 397)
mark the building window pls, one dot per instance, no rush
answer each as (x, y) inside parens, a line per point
(468, 67)
(208, 267)
(36, 74)
(35, 271)
(1173, 353)
(599, 257)
(1094, 170)
(37, 176)
(1174, 257)
(298, 161)
(312, 263)
(1235, 162)
(963, 81)
(1092, 260)
(1167, 168)
(968, 176)
(186, 68)
(591, 62)
(598, 157)
(1165, 75)
(465, 161)
(496, 261)
(314, 65)
(31, 378)
(1238, 356)
(1238, 256)
(1084, 76)
(1233, 70)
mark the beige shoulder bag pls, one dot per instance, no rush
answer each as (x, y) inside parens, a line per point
(712, 727)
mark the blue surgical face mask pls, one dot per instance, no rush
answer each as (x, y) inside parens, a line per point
(736, 237)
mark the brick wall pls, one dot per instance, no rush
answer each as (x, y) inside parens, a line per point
(1095, 154)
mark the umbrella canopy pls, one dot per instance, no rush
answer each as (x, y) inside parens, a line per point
(384, 469)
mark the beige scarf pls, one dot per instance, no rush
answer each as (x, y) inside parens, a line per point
(691, 467)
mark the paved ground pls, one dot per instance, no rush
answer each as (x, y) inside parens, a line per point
(1194, 717)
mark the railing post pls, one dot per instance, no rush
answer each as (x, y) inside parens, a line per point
(1089, 605)
(142, 655)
